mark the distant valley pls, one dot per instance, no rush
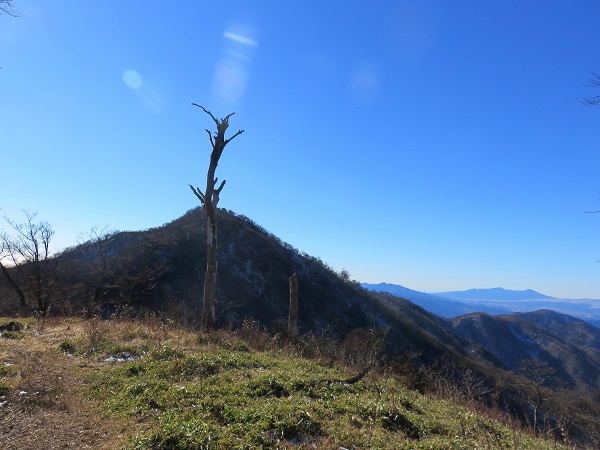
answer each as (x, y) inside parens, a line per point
(492, 301)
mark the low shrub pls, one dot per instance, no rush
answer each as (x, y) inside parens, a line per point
(12, 335)
(67, 346)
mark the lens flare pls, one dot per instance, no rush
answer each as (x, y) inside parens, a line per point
(133, 79)
(233, 69)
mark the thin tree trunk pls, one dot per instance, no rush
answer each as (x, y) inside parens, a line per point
(23, 303)
(293, 314)
(207, 319)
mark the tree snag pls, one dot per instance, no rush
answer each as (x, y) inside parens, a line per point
(205, 315)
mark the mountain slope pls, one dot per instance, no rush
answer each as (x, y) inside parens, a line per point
(252, 284)
(566, 344)
(572, 330)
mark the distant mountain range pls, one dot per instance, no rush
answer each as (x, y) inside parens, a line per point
(492, 301)
(437, 304)
(494, 294)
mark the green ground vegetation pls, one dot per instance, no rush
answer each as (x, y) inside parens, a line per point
(229, 390)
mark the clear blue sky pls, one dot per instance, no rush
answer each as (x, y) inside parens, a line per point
(438, 145)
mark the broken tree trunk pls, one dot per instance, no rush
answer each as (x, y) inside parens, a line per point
(293, 314)
(205, 316)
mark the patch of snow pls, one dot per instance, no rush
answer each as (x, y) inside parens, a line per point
(123, 357)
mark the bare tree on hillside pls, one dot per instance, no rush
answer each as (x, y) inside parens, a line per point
(209, 199)
(28, 251)
(539, 375)
(593, 82)
(112, 271)
(99, 261)
(141, 270)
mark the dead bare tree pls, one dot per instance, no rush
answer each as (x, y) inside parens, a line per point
(209, 199)
(593, 82)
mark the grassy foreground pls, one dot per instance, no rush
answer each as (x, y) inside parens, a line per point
(244, 390)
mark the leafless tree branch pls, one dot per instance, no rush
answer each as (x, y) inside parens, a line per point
(207, 112)
(198, 193)
(593, 82)
(8, 7)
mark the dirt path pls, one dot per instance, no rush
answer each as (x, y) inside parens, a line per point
(45, 406)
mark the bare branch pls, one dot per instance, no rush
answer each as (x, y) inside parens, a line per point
(207, 112)
(7, 7)
(592, 82)
(218, 191)
(212, 142)
(198, 193)
(593, 101)
(234, 136)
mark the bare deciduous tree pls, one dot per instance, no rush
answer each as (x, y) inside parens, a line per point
(28, 251)
(142, 270)
(538, 375)
(116, 270)
(209, 199)
(99, 264)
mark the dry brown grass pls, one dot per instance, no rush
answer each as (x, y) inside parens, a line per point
(46, 406)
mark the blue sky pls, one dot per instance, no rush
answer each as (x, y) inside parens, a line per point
(438, 145)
